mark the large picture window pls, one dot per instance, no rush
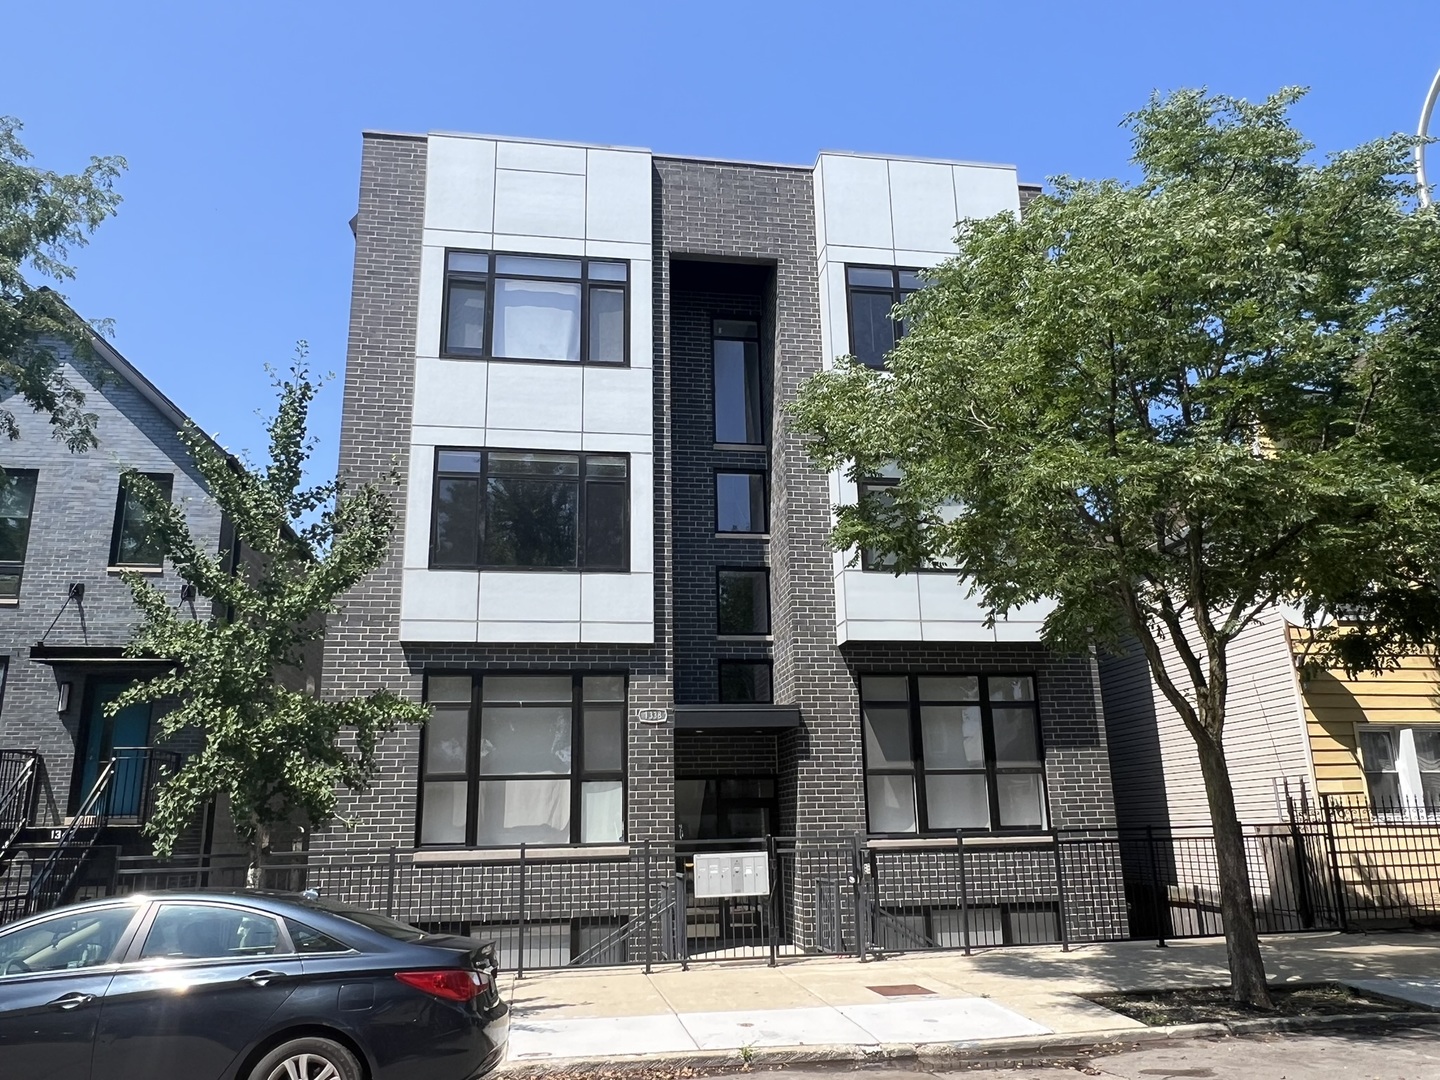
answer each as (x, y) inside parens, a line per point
(873, 293)
(535, 307)
(136, 541)
(951, 752)
(530, 510)
(739, 413)
(512, 759)
(17, 501)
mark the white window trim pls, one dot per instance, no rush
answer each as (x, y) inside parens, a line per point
(1407, 769)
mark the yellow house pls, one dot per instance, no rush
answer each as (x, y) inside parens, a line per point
(1374, 737)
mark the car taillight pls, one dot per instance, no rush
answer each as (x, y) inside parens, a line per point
(452, 984)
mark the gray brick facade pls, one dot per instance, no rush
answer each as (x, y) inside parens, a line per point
(730, 241)
(71, 526)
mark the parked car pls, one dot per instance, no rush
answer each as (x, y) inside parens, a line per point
(238, 985)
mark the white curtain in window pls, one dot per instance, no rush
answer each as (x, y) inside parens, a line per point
(602, 812)
(537, 802)
(537, 320)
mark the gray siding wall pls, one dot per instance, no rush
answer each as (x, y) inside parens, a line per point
(1153, 757)
(71, 527)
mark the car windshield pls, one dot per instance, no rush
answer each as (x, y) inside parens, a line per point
(381, 924)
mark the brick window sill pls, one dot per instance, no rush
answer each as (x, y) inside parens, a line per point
(559, 853)
(947, 843)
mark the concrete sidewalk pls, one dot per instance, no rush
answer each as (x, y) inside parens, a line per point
(721, 1010)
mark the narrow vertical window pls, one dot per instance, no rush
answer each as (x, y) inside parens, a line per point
(743, 601)
(740, 505)
(738, 409)
(17, 501)
(137, 540)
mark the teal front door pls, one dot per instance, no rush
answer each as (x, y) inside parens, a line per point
(122, 737)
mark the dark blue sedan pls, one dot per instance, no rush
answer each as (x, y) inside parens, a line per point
(234, 985)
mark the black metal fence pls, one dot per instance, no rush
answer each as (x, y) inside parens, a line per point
(1336, 864)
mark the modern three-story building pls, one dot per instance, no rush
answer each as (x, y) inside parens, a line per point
(613, 580)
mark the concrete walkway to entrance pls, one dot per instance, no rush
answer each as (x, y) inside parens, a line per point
(610, 1014)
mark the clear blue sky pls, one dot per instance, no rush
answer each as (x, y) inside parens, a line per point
(242, 122)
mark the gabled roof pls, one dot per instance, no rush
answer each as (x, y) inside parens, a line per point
(132, 375)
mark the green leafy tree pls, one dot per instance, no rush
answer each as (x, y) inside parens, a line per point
(1170, 405)
(273, 749)
(44, 214)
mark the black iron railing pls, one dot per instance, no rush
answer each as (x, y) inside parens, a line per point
(1335, 864)
(19, 772)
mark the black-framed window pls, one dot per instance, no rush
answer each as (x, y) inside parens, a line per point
(518, 758)
(746, 682)
(743, 601)
(952, 752)
(17, 503)
(881, 489)
(536, 307)
(530, 510)
(873, 292)
(739, 406)
(136, 541)
(740, 502)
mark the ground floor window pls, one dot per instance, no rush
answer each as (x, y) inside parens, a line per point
(512, 758)
(989, 924)
(584, 941)
(1402, 767)
(952, 752)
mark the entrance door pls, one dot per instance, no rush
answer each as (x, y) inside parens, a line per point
(101, 736)
(724, 808)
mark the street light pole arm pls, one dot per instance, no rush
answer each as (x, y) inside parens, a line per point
(1423, 134)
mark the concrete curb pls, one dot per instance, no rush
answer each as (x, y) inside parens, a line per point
(1047, 1047)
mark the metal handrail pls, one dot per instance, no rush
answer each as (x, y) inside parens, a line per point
(16, 803)
(88, 816)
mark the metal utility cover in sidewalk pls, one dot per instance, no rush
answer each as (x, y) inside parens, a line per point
(900, 990)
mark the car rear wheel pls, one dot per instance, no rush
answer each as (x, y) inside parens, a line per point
(308, 1059)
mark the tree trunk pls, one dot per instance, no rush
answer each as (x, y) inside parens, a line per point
(1237, 906)
(259, 848)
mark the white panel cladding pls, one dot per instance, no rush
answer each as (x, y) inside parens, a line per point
(983, 191)
(539, 204)
(418, 493)
(540, 198)
(899, 212)
(618, 196)
(446, 595)
(432, 298)
(459, 183)
(529, 596)
(617, 401)
(540, 157)
(534, 397)
(617, 598)
(450, 393)
(922, 205)
(857, 201)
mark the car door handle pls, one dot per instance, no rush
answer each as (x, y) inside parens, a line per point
(72, 1001)
(262, 978)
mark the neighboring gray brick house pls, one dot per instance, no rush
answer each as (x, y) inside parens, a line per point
(65, 614)
(613, 579)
